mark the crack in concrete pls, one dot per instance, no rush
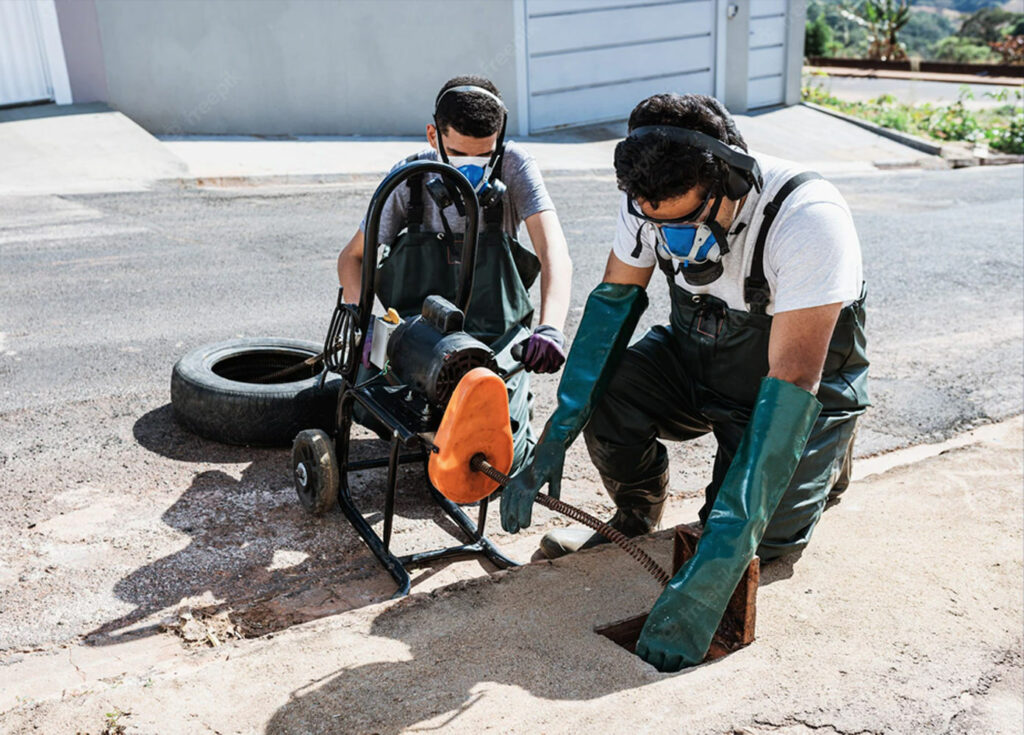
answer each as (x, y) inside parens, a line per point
(79, 670)
(1006, 659)
(826, 728)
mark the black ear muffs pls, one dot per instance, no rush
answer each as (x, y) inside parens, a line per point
(491, 194)
(737, 183)
(742, 172)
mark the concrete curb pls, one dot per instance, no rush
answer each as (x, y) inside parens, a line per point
(366, 177)
(905, 138)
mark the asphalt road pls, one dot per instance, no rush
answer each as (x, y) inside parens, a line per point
(101, 294)
(110, 514)
(916, 91)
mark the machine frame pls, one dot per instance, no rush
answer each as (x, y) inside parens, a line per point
(409, 417)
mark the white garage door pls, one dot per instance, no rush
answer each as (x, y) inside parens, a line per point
(767, 62)
(23, 70)
(591, 61)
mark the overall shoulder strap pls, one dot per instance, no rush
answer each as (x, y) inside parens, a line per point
(755, 288)
(494, 215)
(414, 218)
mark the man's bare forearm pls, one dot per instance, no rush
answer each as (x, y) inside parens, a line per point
(555, 267)
(350, 268)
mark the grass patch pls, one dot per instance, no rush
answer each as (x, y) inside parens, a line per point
(1001, 127)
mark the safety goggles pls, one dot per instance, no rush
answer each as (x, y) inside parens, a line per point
(690, 218)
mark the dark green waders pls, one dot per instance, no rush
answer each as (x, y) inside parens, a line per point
(702, 374)
(418, 264)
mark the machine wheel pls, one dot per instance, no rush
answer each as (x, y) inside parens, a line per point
(216, 393)
(315, 470)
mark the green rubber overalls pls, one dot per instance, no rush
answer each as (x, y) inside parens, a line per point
(420, 263)
(701, 373)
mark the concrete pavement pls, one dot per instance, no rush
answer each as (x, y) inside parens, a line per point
(90, 148)
(51, 149)
(798, 133)
(894, 621)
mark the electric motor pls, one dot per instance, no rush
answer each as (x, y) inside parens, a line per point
(431, 353)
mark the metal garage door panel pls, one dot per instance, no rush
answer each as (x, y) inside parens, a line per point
(765, 8)
(611, 65)
(23, 71)
(766, 91)
(767, 32)
(618, 26)
(593, 60)
(766, 63)
(769, 61)
(602, 104)
(536, 8)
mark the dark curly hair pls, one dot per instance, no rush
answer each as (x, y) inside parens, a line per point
(655, 168)
(469, 114)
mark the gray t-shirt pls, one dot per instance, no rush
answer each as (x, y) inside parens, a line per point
(526, 196)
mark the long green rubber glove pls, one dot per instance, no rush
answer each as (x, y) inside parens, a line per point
(611, 315)
(679, 630)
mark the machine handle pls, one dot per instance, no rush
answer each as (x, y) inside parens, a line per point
(370, 244)
(517, 352)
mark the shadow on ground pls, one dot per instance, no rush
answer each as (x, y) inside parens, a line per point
(253, 552)
(438, 656)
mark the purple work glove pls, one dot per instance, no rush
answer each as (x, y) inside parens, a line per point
(367, 344)
(544, 350)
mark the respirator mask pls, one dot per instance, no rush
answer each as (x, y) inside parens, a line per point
(695, 245)
(476, 170)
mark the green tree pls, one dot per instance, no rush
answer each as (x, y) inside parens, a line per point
(883, 20)
(817, 38)
(988, 24)
(964, 6)
(923, 30)
(848, 38)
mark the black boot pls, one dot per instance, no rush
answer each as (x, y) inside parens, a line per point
(640, 505)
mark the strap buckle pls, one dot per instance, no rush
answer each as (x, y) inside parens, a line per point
(756, 295)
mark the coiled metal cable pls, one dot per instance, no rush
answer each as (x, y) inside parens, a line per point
(479, 463)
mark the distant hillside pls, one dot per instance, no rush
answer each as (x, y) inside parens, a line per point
(960, 31)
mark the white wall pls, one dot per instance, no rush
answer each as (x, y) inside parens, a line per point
(294, 67)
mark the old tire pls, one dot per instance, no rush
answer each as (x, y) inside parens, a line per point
(315, 471)
(213, 392)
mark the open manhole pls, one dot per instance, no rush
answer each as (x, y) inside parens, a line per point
(737, 627)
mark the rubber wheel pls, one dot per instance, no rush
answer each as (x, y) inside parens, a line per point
(315, 470)
(214, 392)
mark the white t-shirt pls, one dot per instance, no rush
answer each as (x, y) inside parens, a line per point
(812, 253)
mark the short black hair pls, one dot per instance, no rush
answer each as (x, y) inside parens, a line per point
(655, 168)
(475, 115)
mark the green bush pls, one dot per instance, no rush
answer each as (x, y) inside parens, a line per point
(953, 122)
(962, 51)
(1001, 127)
(1008, 138)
